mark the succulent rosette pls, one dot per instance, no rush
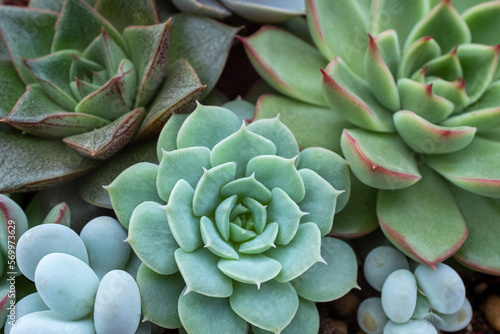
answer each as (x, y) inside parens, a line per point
(231, 226)
(409, 94)
(97, 77)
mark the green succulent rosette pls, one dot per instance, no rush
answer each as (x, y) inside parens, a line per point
(409, 95)
(85, 79)
(232, 226)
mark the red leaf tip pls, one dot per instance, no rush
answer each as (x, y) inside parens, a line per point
(428, 89)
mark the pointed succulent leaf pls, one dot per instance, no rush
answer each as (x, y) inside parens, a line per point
(283, 210)
(389, 49)
(425, 137)
(262, 242)
(331, 167)
(417, 54)
(239, 234)
(482, 21)
(151, 239)
(380, 79)
(28, 34)
(11, 86)
(483, 119)
(312, 126)
(208, 8)
(274, 171)
(167, 140)
(200, 272)
(81, 67)
(125, 13)
(270, 307)
(320, 201)
(358, 216)
(351, 97)
(59, 214)
(184, 164)
(258, 211)
(105, 51)
(56, 163)
(214, 242)
(106, 141)
(196, 132)
(340, 267)
(379, 160)
(479, 63)
(302, 82)
(335, 26)
(36, 113)
(185, 226)
(489, 99)
(481, 250)
(204, 43)
(223, 215)
(420, 99)
(81, 89)
(240, 148)
(250, 269)
(427, 228)
(247, 187)
(446, 66)
(159, 296)
(242, 108)
(207, 192)
(178, 94)
(476, 168)
(445, 24)
(198, 314)
(452, 91)
(77, 17)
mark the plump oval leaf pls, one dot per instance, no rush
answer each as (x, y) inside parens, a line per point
(483, 21)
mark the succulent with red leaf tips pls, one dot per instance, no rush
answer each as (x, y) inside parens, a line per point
(98, 77)
(410, 91)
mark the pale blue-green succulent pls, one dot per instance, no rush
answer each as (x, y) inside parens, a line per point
(232, 226)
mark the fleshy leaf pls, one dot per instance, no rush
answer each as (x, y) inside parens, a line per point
(184, 164)
(151, 239)
(250, 269)
(207, 126)
(36, 113)
(11, 86)
(207, 192)
(300, 254)
(239, 234)
(426, 137)
(379, 160)
(258, 211)
(105, 51)
(262, 242)
(247, 187)
(340, 267)
(273, 171)
(270, 307)
(303, 82)
(351, 97)
(481, 249)
(338, 29)
(200, 272)
(208, 8)
(427, 228)
(452, 91)
(159, 296)
(389, 49)
(476, 168)
(214, 242)
(446, 67)
(223, 215)
(417, 54)
(125, 13)
(445, 24)
(168, 136)
(283, 210)
(184, 225)
(483, 22)
(104, 142)
(483, 119)
(59, 214)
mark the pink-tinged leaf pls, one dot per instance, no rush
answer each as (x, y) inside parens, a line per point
(296, 75)
(78, 25)
(37, 114)
(446, 67)
(115, 98)
(12, 220)
(149, 51)
(416, 55)
(483, 119)
(420, 99)
(389, 49)
(104, 50)
(445, 24)
(338, 28)
(106, 141)
(484, 22)
(380, 78)
(27, 33)
(59, 214)
(178, 94)
(124, 13)
(55, 162)
(476, 168)
(426, 137)
(481, 250)
(379, 160)
(350, 96)
(423, 220)
(453, 91)
(312, 126)
(11, 86)
(51, 72)
(81, 88)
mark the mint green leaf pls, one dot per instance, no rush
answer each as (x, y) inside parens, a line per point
(167, 139)
(258, 211)
(262, 242)
(250, 269)
(214, 242)
(283, 210)
(247, 187)
(482, 20)
(417, 54)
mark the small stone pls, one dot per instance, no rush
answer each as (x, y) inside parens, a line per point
(492, 311)
(331, 326)
(347, 305)
(480, 288)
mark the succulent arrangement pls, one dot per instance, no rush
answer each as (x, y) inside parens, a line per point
(231, 226)
(408, 94)
(423, 300)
